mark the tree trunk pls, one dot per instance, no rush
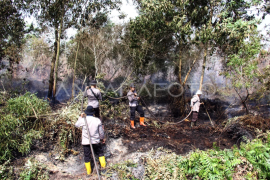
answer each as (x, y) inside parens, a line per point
(189, 72)
(96, 65)
(57, 57)
(203, 66)
(74, 73)
(180, 67)
(243, 101)
(52, 65)
(85, 76)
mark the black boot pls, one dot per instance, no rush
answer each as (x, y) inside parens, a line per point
(195, 123)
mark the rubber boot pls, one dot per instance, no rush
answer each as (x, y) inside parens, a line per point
(102, 161)
(88, 167)
(142, 121)
(191, 124)
(132, 124)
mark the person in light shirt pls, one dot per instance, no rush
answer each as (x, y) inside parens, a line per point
(134, 106)
(195, 107)
(97, 137)
(94, 95)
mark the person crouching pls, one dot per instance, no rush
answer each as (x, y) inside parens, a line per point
(134, 106)
(97, 137)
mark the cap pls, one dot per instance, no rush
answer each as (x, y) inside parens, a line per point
(199, 92)
(93, 82)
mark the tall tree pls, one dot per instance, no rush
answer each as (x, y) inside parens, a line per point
(12, 30)
(242, 61)
(60, 15)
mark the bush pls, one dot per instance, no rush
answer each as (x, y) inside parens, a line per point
(250, 161)
(17, 127)
(34, 170)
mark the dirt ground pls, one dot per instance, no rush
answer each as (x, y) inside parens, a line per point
(124, 143)
(180, 138)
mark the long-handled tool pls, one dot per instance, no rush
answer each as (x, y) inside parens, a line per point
(158, 118)
(89, 137)
(208, 116)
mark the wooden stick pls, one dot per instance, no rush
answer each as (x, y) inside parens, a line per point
(209, 116)
(33, 109)
(89, 136)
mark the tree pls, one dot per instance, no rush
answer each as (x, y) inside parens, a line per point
(36, 58)
(151, 36)
(81, 61)
(61, 15)
(242, 66)
(12, 30)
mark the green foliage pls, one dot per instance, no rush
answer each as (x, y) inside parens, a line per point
(26, 105)
(258, 154)
(214, 163)
(34, 170)
(123, 170)
(6, 171)
(12, 32)
(17, 128)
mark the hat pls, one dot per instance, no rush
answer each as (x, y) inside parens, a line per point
(89, 110)
(132, 86)
(199, 92)
(94, 82)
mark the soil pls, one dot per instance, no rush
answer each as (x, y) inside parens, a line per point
(124, 143)
(180, 138)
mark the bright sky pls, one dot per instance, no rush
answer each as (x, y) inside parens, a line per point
(127, 8)
(131, 12)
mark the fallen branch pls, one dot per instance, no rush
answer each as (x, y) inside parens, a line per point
(44, 115)
(33, 109)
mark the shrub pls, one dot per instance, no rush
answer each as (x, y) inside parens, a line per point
(251, 158)
(34, 170)
(17, 127)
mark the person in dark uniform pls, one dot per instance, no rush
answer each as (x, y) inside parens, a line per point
(134, 106)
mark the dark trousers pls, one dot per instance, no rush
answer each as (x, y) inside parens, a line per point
(96, 110)
(194, 116)
(139, 109)
(87, 152)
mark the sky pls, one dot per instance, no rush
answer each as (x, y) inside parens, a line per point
(131, 12)
(127, 8)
